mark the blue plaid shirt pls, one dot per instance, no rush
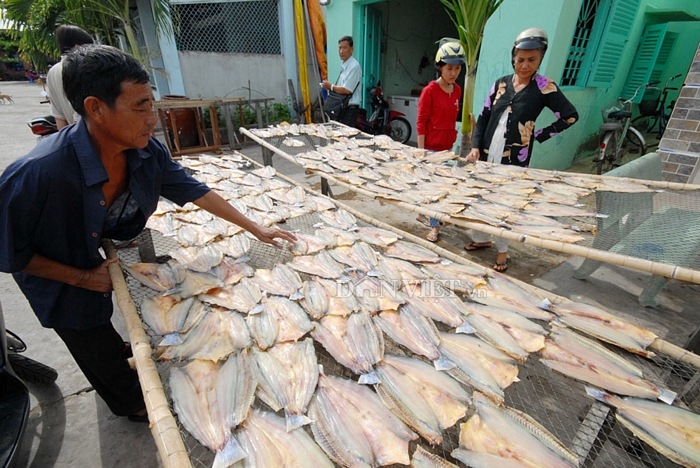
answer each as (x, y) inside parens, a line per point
(51, 204)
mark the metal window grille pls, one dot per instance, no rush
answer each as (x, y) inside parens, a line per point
(579, 43)
(239, 27)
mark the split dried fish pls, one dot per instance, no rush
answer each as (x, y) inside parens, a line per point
(353, 427)
(320, 264)
(159, 276)
(416, 332)
(424, 459)
(220, 333)
(605, 326)
(242, 297)
(670, 430)
(478, 364)
(428, 401)
(268, 443)
(210, 398)
(279, 320)
(412, 252)
(505, 432)
(287, 376)
(354, 341)
(582, 359)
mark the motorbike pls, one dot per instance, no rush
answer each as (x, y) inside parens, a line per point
(382, 120)
(43, 126)
(15, 370)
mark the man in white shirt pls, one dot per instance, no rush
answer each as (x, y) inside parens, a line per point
(67, 37)
(349, 81)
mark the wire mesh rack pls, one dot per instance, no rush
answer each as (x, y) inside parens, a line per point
(656, 229)
(559, 403)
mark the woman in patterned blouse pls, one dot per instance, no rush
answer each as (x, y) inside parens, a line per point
(506, 125)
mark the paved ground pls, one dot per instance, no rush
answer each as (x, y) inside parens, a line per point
(71, 427)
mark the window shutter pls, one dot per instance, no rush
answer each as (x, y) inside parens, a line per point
(644, 60)
(613, 40)
(664, 54)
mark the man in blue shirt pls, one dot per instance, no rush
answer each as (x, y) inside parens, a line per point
(101, 177)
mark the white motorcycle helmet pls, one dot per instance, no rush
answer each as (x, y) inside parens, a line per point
(529, 39)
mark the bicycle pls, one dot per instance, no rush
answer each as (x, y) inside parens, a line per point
(654, 118)
(616, 132)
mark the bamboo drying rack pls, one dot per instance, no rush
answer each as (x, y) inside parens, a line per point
(163, 426)
(655, 268)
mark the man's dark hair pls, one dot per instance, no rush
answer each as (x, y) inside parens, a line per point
(69, 36)
(99, 71)
(347, 39)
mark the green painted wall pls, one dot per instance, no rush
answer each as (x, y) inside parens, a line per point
(339, 23)
(558, 18)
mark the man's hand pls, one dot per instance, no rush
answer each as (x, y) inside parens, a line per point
(326, 85)
(98, 278)
(268, 235)
(473, 155)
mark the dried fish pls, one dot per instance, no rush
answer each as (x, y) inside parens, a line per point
(412, 253)
(279, 320)
(428, 401)
(505, 432)
(159, 276)
(220, 333)
(605, 326)
(269, 444)
(350, 423)
(242, 297)
(287, 373)
(672, 431)
(200, 259)
(479, 364)
(414, 331)
(354, 341)
(320, 264)
(210, 398)
(231, 271)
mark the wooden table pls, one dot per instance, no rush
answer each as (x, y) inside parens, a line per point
(175, 147)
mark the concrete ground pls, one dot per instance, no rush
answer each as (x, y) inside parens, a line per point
(70, 426)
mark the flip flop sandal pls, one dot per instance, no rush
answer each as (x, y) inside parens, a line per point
(501, 266)
(432, 237)
(423, 220)
(472, 247)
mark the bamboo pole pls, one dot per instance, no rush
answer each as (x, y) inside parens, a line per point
(647, 266)
(166, 434)
(659, 345)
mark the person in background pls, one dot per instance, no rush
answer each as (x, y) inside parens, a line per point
(438, 108)
(506, 126)
(67, 37)
(99, 178)
(349, 81)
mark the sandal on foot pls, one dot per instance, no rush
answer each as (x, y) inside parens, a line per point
(433, 236)
(423, 220)
(501, 266)
(471, 247)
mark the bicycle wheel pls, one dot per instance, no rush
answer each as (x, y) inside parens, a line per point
(636, 139)
(399, 129)
(646, 123)
(606, 157)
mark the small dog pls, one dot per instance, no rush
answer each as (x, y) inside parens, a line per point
(6, 99)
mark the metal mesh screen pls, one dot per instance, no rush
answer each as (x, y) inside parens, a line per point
(559, 403)
(661, 226)
(239, 27)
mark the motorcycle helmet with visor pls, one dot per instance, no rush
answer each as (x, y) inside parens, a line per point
(452, 53)
(530, 39)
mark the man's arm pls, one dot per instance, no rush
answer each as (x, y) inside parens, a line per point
(95, 279)
(216, 205)
(60, 123)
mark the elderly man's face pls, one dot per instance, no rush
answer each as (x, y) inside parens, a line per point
(131, 121)
(344, 50)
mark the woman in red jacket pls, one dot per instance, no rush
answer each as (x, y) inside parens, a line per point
(438, 108)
